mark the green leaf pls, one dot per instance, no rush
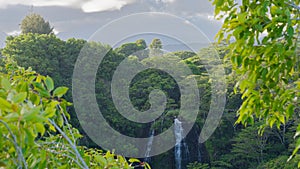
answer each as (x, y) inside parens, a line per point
(290, 31)
(100, 159)
(63, 166)
(49, 83)
(60, 91)
(43, 162)
(23, 87)
(30, 136)
(38, 85)
(33, 115)
(20, 97)
(147, 166)
(51, 127)
(44, 93)
(297, 132)
(40, 128)
(297, 147)
(59, 120)
(49, 112)
(272, 121)
(133, 160)
(290, 110)
(281, 119)
(35, 99)
(5, 105)
(219, 3)
(12, 117)
(115, 167)
(5, 84)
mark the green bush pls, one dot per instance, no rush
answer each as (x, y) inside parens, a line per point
(34, 128)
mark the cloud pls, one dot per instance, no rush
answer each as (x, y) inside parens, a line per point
(40, 3)
(165, 1)
(207, 16)
(69, 19)
(104, 5)
(14, 33)
(56, 31)
(86, 6)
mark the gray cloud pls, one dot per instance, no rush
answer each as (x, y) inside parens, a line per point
(40, 3)
(71, 21)
(86, 6)
(104, 5)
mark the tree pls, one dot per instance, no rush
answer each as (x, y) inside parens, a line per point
(47, 55)
(251, 149)
(155, 47)
(263, 37)
(196, 165)
(142, 43)
(35, 23)
(280, 162)
(156, 44)
(131, 48)
(40, 51)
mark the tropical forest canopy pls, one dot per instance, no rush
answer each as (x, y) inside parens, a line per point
(259, 128)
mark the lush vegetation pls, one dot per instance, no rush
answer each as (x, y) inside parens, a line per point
(35, 23)
(258, 46)
(34, 129)
(267, 67)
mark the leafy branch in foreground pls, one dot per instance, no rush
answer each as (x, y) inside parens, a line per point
(263, 36)
(34, 132)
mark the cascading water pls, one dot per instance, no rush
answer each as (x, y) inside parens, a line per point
(186, 151)
(149, 146)
(178, 131)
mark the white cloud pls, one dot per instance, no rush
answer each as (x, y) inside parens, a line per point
(14, 33)
(55, 31)
(71, 3)
(211, 17)
(104, 5)
(168, 1)
(206, 16)
(86, 6)
(165, 1)
(18, 32)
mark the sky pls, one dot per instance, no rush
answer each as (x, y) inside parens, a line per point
(83, 18)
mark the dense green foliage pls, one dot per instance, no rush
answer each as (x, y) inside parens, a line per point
(130, 48)
(263, 51)
(156, 44)
(48, 55)
(155, 47)
(35, 23)
(262, 84)
(223, 150)
(267, 66)
(34, 128)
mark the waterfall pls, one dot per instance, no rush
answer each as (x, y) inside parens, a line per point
(186, 151)
(149, 146)
(178, 131)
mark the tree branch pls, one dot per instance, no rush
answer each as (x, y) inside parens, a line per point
(70, 142)
(292, 4)
(18, 149)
